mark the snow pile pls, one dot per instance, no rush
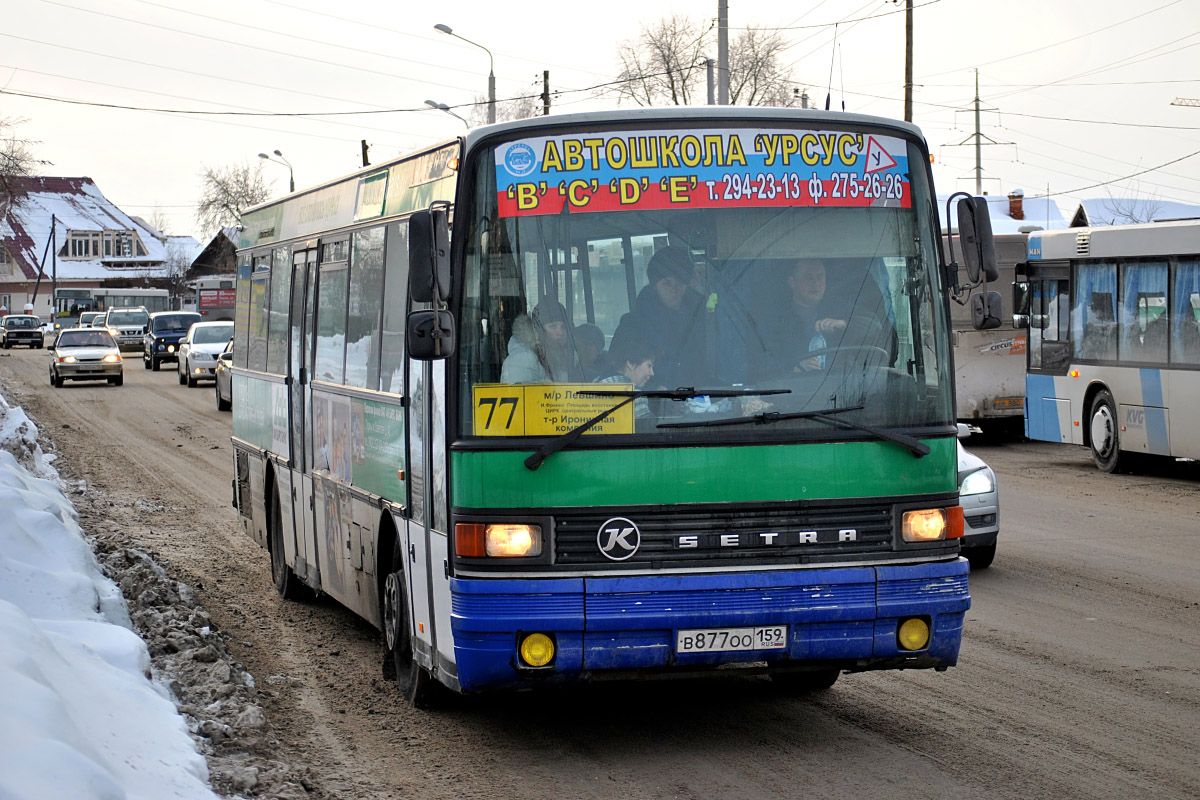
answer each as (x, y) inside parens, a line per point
(79, 717)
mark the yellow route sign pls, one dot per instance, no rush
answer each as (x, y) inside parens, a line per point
(548, 409)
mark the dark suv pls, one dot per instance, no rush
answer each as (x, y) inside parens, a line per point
(161, 342)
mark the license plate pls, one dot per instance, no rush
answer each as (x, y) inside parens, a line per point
(728, 640)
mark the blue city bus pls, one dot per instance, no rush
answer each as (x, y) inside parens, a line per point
(511, 530)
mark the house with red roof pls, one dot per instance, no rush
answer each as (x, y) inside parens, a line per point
(62, 233)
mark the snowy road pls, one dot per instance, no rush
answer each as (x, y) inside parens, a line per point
(1078, 677)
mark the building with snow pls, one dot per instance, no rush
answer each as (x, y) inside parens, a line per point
(62, 233)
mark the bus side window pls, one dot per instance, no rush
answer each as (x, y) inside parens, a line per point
(366, 302)
(395, 308)
(241, 330)
(280, 302)
(1185, 311)
(259, 287)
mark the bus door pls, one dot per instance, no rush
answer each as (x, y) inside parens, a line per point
(304, 277)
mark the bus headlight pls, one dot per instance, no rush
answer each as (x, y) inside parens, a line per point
(932, 524)
(507, 540)
(913, 634)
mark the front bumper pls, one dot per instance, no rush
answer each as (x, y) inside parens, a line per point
(981, 518)
(24, 340)
(202, 371)
(87, 371)
(843, 617)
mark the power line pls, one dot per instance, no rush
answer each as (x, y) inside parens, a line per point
(1118, 180)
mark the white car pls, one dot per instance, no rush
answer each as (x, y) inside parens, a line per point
(980, 501)
(198, 351)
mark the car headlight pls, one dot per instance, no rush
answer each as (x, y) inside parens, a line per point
(66, 359)
(112, 358)
(978, 482)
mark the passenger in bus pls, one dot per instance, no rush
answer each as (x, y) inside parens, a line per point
(631, 360)
(589, 346)
(540, 349)
(667, 312)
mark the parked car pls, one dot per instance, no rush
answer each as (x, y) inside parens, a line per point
(163, 333)
(22, 329)
(85, 354)
(980, 501)
(199, 349)
(127, 325)
(223, 385)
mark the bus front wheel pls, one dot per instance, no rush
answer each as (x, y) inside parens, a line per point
(1105, 433)
(416, 684)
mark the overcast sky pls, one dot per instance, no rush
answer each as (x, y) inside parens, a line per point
(1079, 93)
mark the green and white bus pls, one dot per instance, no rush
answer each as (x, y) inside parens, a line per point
(508, 530)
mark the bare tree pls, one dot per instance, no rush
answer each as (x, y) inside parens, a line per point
(756, 78)
(16, 154)
(226, 194)
(1132, 209)
(506, 110)
(664, 65)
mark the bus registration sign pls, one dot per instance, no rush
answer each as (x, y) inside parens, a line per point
(725, 640)
(502, 409)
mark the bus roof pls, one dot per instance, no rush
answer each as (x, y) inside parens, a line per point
(1116, 241)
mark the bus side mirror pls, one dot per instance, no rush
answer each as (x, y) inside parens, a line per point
(975, 238)
(429, 255)
(1020, 297)
(430, 335)
(1020, 321)
(985, 311)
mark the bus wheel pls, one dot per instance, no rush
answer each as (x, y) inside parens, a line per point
(805, 682)
(416, 685)
(1106, 439)
(286, 582)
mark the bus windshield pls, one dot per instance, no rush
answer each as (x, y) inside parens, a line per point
(817, 282)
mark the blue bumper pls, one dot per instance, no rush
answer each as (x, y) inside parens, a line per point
(843, 617)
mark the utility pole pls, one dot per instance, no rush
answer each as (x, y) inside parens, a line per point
(723, 52)
(978, 143)
(712, 89)
(908, 61)
(545, 93)
(366, 158)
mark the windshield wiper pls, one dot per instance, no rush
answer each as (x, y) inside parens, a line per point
(628, 396)
(826, 415)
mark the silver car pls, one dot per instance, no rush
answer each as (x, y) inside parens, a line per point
(223, 385)
(980, 501)
(198, 351)
(85, 354)
(127, 325)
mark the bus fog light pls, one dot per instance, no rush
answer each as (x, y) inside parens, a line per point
(507, 541)
(537, 650)
(924, 526)
(913, 634)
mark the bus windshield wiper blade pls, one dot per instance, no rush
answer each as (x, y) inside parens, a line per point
(628, 396)
(826, 415)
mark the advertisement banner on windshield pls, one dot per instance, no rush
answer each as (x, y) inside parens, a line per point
(687, 169)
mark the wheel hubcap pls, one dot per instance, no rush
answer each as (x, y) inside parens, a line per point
(1103, 430)
(391, 611)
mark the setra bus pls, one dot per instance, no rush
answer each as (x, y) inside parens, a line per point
(571, 517)
(1114, 339)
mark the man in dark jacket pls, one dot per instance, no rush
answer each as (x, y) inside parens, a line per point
(667, 314)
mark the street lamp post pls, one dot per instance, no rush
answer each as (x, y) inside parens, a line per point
(286, 163)
(447, 109)
(446, 29)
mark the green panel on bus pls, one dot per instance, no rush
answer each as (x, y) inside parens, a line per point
(591, 477)
(260, 415)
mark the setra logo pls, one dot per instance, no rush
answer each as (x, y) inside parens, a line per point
(618, 539)
(520, 159)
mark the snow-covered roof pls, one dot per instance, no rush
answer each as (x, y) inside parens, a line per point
(75, 204)
(1040, 212)
(1126, 211)
(188, 247)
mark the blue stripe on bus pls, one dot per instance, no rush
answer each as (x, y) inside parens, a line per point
(1156, 411)
(630, 623)
(1041, 418)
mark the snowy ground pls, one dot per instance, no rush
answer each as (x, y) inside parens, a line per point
(85, 711)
